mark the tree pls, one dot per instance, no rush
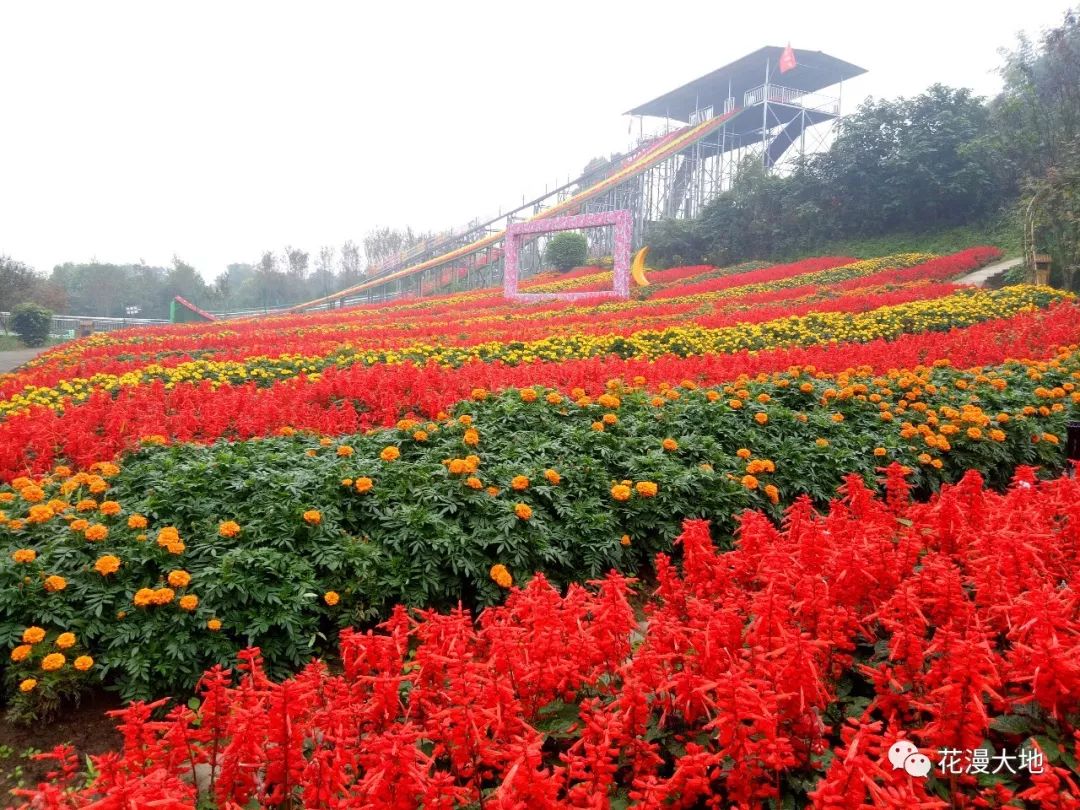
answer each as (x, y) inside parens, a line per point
(566, 250)
(17, 282)
(32, 323)
(351, 267)
(297, 262)
(324, 271)
(382, 244)
(185, 281)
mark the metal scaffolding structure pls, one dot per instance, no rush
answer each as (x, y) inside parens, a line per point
(759, 108)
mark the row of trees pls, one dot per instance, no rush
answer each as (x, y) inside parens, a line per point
(278, 278)
(943, 158)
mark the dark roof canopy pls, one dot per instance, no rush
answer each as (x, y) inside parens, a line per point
(814, 71)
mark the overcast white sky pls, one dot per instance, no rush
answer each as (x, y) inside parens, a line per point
(217, 130)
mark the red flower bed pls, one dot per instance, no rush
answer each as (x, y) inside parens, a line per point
(784, 668)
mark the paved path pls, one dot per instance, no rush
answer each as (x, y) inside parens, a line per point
(980, 277)
(9, 361)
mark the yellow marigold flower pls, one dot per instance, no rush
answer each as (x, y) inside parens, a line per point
(670, 445)
(750, 482)
(528, 395)
(880, 451)
(179, 578)
(143, 597)
(162, 596)
(109, 508)
(501, 575)
(108, 564)
(213, 625)
(345, 450)
(471, 437)
(625, 540)
(646, 489)
(24, 555)
(311, 452)
(27, 684)
(620, 492)
(420, 436)
(313, 517)
(136, 522)
(523, 511)
(519, 483)
(140, 538)
(331, 598)
(33, 635)
(325, 441)
(53, 662)
(229, 528)
(21, 653)
(55, 583)
(761, 418)
(32, 494)
(364, 484)
(65, 640)
(188, 602)
(83, 663)
(552, 476)
(821, 442)
(472, 482)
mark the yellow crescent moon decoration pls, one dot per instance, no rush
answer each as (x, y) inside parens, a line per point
(637, 267)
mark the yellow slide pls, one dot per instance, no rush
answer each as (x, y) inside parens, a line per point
(637, 267)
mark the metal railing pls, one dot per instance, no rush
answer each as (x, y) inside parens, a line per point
(66, 327)
(776, 94)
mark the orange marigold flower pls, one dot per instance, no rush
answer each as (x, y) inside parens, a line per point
(65, 640)
(24, 555)
(162, 596)
(620, 492)
(311, 452)
(670, 445)
(33, 635)
(364, 484)
(136, 522)
(325, 441)
(229, 528)
(53, 662)
(519, 483)
(772, 493)
(21, 653)
(179, 578)
(39, 513)
(331, 598)
(646, 489)
(167, 535)
(390, 453)
(625, 540)
(609, 419)
(213, 625)
(501, 576)
(880, 451)
(313, 517)
(175, 548)
(838, 417)
(465, 419)
(471, 437)
(492, 491)
(523, 511)
(743, 453)
(27, 684)
(345, 450)
(32, 493)
(188, 602)
(528, 394)
(608, 401)
(553, 398)
(63, 471)
(83, 663)
(472, 482)
(750, 482)
(107, 564)
(598, 427)
(735, 404)
(420, 436)
(821, 442)
(96, 532)
(479, 394)
(974, 433)
(924, 458)
(143, 597)
(552, 476)
(109, 508)
(458, 466)
(761, 418)
(997, 435)
(55, 583)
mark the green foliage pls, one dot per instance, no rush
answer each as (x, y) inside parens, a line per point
(31, 322)
(566, 250)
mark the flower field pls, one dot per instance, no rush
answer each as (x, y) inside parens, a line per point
(175, 495)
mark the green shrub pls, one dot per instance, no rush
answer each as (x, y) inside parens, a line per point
(566, 250)
(31, 322)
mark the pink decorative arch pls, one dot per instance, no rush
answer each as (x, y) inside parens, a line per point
(512, 246)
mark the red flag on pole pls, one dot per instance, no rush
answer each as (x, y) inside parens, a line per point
(787, 59)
